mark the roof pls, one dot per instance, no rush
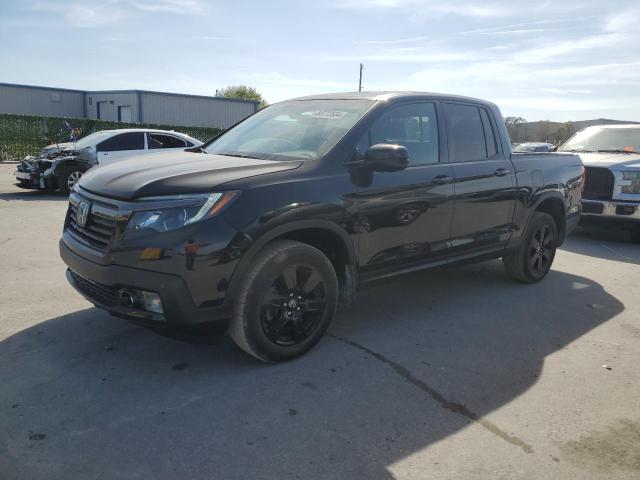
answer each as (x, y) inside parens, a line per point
(117, 131)
(89, 92)
(35, 87)
(189, 95)
(388, 95)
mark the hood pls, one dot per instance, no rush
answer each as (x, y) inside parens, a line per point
(57, 146)
(174, 173)
(615, 161)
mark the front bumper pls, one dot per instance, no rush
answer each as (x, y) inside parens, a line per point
(29, 175)
(100, 285)
(624, 212)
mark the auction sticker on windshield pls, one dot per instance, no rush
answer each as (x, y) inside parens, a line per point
(330, 115)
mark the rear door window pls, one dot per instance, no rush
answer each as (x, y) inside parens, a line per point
(158, 140)
(123, 141)
(466, 132)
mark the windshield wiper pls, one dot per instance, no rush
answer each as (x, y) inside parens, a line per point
(240, 155)
(616, 150)
(578, 150)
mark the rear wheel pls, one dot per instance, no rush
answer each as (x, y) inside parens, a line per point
(532, 261)
(68, 177)
(288, 300)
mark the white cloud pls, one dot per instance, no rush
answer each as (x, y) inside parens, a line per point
(394, 41)
(79, 14)
(444, 7)
(420, 55)
(624, 21)
(277, 78)
(560, 91)
(180, 7)
(543, 54)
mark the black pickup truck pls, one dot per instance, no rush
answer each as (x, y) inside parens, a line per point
(263, 231)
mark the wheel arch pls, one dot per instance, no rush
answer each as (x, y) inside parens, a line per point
(326, 236)
(554, 205)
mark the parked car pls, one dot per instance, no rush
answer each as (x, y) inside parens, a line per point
(611, 154)
(282, 217)
(60, 166)
(535, 147)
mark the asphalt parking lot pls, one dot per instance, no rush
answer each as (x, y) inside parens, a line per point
(451, 373)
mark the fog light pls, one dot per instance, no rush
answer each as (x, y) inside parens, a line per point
(151, 302)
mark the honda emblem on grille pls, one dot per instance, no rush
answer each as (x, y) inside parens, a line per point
(82, 213)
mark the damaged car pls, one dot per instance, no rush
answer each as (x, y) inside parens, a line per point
(61, 167)
(611, 156)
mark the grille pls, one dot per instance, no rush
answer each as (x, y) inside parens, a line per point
(97, 232)
(598, 184)
(95, 291)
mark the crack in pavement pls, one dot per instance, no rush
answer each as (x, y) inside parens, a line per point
(437, 396)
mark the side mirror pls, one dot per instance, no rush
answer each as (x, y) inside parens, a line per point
(386, 157)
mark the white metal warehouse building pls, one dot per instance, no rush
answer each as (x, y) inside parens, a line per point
(139, 106)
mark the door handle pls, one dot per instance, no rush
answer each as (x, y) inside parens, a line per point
(501, 172)
(441, 180)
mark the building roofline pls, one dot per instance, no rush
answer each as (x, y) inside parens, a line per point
(224, 99)
(36, 87)
(88, 92)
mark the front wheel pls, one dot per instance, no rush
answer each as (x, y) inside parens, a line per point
(67, 178)
(288, 299)
(532, 261)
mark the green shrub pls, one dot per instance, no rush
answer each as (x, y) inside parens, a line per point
(22, 135)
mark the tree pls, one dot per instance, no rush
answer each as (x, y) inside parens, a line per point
(244, 92)
(514, 120)
(517, 128)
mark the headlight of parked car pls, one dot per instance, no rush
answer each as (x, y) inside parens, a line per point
(194, 209)
(630, 182)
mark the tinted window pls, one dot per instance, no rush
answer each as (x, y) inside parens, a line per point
(124, 141)
(489, 135)
(414, 126)
(467, 133)
(157, 140)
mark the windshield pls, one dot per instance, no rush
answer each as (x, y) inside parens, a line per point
(302, 129)
(91, 139)
(594, 139)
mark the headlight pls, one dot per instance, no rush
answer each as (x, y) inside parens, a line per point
(630, 182)
(191, 209)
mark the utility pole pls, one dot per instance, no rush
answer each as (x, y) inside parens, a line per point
(360, 82)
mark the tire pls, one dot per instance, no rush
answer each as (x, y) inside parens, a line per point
(287, 301)
(635, 235)
(532, 261)
(67, 178)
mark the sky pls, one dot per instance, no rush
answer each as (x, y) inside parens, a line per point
(561, 60)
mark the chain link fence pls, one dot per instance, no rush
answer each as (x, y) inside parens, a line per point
(22, 135)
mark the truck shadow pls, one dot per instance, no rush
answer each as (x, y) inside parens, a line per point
(606, 243)
(416, 359)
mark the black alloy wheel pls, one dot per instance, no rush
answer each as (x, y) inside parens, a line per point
(532, 260)
(541, 251)
(287, 299)
(292, 308)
